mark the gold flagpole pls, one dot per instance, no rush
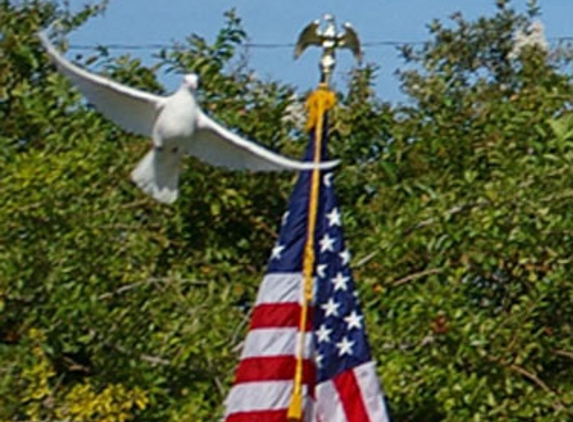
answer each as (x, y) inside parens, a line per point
(318, 104)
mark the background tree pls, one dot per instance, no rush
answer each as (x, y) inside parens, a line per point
(472, 214)
(457, 206)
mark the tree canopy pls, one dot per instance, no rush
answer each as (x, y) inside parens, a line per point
(457, 205)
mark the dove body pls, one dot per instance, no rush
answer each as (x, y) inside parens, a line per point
(177, 120)
(158, 173)
(177, 127)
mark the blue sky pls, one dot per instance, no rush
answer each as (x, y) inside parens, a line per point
(268, 21)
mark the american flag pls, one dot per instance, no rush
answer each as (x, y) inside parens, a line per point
(339, 377)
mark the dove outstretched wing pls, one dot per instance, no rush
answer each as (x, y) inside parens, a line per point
(132, 109)
(219, 146)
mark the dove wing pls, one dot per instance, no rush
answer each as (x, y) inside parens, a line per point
(308, 36)
(219, 146)
(132, 109)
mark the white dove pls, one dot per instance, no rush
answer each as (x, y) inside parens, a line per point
(177, 126)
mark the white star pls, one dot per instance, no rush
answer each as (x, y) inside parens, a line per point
(318, 359)
(330, 308)
(320, 270)
(323, 334)
(333, 217)
(345, 347)
(285, 218)
(340, 282)
(277, 251)
(326, 243)
(354, 320)
(345, 256)
(328, 180)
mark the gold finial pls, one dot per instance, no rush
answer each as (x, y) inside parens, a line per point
(329, 39)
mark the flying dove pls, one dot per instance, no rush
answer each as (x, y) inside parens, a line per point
(176, 125)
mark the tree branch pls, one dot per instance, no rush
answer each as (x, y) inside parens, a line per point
(531, 377)
(449, 213)
(408, 278)
(425, 223)
(367, 258)
(563, 353)
(152, 280)
(154, 360)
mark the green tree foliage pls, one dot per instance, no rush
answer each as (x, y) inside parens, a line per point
(457, 206)
(471, 254)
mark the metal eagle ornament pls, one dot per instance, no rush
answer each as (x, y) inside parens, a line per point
(329, 39)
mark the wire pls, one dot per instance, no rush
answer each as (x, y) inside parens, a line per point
(391, 43)
(268, 46)
(119, 46)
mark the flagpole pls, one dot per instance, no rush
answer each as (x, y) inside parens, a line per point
(318, 104)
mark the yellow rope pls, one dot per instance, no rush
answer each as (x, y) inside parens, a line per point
(319, 102)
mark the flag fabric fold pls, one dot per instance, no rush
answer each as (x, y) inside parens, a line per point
(337, 374)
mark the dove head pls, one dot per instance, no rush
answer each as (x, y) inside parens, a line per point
(191, 81)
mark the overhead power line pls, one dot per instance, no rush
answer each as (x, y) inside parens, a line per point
(269, 46)
(119, 46)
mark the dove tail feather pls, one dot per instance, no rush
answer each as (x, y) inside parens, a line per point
(157, 174)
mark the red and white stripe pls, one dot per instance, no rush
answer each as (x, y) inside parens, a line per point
(264, 378)
(353, 396)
